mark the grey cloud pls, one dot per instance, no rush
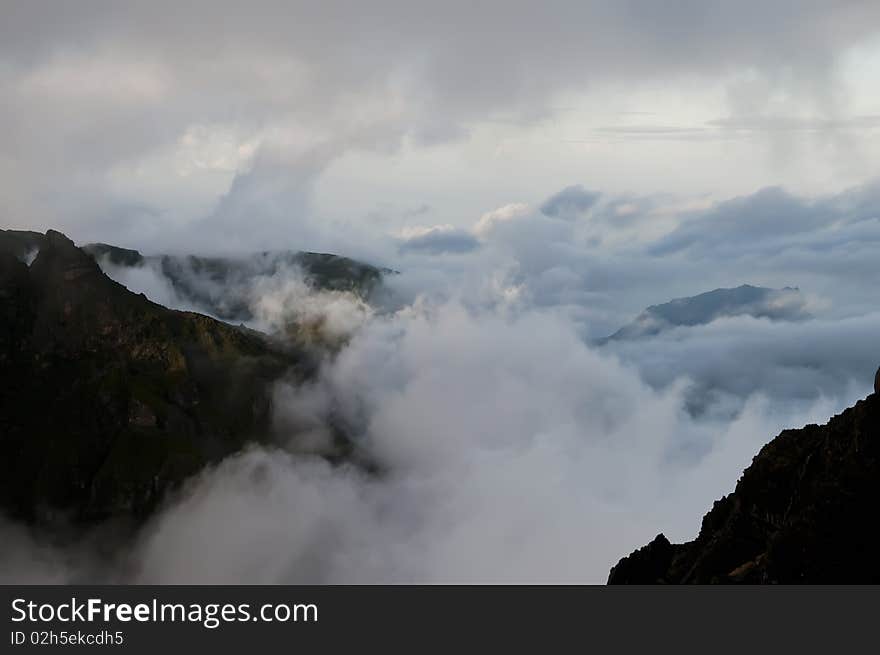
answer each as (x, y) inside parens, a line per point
(766, 214)
(731, 359)
(93, 89)
(794, 124)
(571, 202)
(418, 211)
(826, 246)
(440, 240)
(729, 127)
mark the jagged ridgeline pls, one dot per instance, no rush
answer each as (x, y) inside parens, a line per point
(107, 399)
(805, 511)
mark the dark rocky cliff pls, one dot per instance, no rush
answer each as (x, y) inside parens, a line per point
(805, 511)
(107, 400)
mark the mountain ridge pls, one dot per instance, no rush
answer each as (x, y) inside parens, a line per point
(689, 311)
(196, 278)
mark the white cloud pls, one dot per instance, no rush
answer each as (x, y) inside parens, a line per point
(508, 212)
(507, 451)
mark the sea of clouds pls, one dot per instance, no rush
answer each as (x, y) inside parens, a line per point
(494, 439)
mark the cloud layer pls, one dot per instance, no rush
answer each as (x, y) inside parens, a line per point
(502, 457)
(152, 123)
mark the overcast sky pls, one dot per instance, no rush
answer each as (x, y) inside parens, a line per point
(153, 124)
(539, 172)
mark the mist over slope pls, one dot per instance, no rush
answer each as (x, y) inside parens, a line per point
(318, 295)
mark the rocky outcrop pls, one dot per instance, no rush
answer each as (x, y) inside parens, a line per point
(108, 400)
(805, 511)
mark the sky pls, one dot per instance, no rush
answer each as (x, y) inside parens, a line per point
(149, 123)
(537, 174)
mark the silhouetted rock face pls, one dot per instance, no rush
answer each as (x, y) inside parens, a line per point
(644, 565)
(107, 399)
(805, 511)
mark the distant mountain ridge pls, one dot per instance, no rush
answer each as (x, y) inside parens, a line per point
(218, 284)
(760, 302)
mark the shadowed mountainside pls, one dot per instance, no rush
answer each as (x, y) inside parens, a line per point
(108, 400)
(804, 512)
